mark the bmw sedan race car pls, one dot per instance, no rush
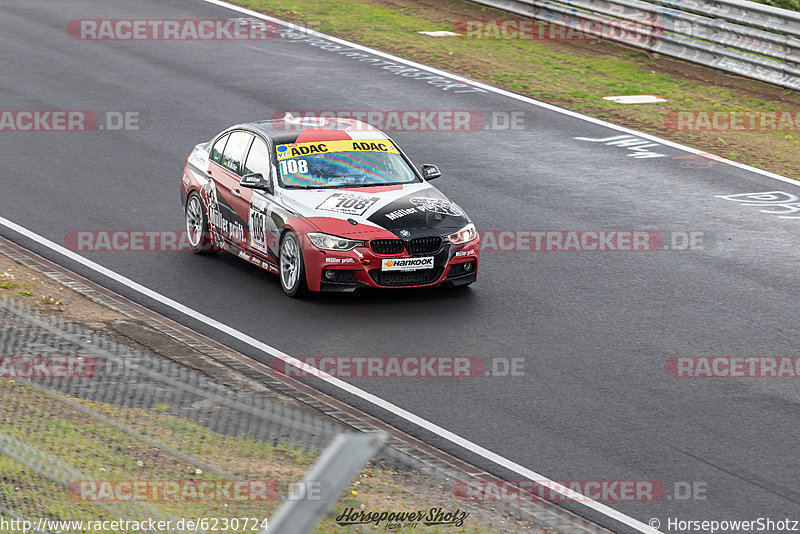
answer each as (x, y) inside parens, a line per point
(328, 205)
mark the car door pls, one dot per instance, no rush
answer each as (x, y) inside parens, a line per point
(226, 176)
(210, 192)
(258, 207)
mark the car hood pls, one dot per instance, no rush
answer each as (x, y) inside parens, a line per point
(418, 208)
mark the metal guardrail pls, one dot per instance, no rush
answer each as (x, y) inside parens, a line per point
(735, 36)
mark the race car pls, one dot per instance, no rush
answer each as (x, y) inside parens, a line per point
(327, 205)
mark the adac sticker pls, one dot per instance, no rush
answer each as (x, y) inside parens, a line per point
(309, 149)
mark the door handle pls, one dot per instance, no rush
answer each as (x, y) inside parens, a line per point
(236, 193)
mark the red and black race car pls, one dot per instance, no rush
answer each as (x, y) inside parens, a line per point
(328, 205)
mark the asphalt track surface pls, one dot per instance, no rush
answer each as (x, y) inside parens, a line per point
(594, 329)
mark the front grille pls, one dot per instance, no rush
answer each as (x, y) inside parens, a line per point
(386, 246)
(424, 245)
(419, 245)
(406, 278)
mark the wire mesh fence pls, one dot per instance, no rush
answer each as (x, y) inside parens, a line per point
(91, 430)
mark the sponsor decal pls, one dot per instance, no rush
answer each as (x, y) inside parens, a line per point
(308, 149)
(407, 264)
(349, 203)
(339, 260)
(396, 214)
(259, 203)
(249, 257)
(461, 253)
(437, 205)
(263, 233)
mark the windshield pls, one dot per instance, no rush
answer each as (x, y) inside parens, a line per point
(342, 164)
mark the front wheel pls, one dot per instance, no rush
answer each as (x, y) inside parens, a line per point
(197, 226)
(293, 270)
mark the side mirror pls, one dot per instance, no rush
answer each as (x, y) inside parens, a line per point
(256, 181)
(429, 172)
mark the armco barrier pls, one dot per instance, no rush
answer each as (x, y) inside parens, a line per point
(735, 36)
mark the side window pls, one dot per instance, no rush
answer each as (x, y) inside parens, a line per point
(258, 159)
(219, 146)
(235, 151)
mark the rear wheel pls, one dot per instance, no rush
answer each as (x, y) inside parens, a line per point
(293, 270)
(197, 226)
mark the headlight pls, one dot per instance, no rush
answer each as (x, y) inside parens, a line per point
(332, 242)
(465, 235)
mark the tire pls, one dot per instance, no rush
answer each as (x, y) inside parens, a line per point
(292, 269)
(197, 226)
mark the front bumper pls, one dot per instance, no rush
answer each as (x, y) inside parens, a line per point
(328, 270)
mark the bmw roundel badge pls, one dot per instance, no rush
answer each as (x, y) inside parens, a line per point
(405, 233)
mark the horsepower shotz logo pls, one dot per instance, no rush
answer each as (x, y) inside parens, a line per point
(433, 516)
(407, 264)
